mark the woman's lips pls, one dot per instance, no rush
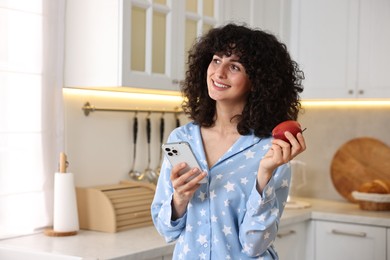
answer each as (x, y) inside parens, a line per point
(220, 85)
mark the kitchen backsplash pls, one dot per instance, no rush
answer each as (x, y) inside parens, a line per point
(100, 146)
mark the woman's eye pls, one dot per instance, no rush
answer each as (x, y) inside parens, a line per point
(235, 68)
(217, 61)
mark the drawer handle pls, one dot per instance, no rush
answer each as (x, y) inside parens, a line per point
(347, 233)
(285, 234)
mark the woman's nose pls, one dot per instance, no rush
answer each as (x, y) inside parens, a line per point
(221, 71)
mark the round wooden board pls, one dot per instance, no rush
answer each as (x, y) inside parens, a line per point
(358, 161)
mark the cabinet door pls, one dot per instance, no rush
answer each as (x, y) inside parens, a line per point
(374, 54)
(340, 241)
(388, 246)
(291, 242)
(148, 43)
(92, 39)
(157, 36)
(199, 17)
(324, 43)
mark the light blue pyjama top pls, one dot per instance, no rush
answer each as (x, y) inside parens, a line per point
(227, 218)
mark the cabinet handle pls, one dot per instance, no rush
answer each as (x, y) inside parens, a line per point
(285, 234)
(361, 92)
(347, 233)
(350, 91)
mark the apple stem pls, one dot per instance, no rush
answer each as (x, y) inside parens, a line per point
(304, 129)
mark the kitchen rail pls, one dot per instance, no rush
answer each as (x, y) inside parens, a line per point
(88, 108)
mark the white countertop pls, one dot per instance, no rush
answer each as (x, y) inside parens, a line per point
(143, 243)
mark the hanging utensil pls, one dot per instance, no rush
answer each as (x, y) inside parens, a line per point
(162, 129)
(177, 119)
(134, 174)
(149, 173)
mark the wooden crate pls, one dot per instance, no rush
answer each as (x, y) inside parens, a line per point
(114, 208)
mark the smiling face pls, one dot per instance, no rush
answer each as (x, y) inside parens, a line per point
(227, 80)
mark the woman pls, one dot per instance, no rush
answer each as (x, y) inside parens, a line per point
(240, 84)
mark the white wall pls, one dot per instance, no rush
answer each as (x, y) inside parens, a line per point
(99, 146)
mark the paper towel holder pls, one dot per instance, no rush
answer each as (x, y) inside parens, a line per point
(51, 231)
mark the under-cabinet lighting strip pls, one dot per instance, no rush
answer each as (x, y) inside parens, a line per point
(88, 108)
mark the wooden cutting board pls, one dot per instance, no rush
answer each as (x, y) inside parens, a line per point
(358, 161)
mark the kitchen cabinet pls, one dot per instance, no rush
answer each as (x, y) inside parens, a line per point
(388, 246)
(165, 257)
(293, 242)
(269, 15)
(342, 47)
(133, 43)
(335, 240)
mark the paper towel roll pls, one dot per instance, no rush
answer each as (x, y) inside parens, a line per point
(65, 203)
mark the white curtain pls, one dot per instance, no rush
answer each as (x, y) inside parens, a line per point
(31, 114)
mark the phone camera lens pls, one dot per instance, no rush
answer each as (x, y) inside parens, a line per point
(170, 154)
(174, 151)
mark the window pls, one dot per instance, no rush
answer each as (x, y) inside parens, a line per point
(30, 112)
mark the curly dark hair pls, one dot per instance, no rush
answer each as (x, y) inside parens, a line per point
(276, 79)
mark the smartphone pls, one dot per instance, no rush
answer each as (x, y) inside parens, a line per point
(181, 152)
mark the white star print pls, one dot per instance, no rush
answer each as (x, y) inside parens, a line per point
(202, 256)
(262, 218)
(212, 194)
(202, 239)
(275, 212)
(249, 154)
(202, 196)
(269, 191)
(226, 203)
(226, 230)
(246, 248)
(189, 228)
(285, 183)
(180, 240)
(214, 218)
(186, 249)
(203, 212)
(266, 147)
(244, 180)
(229, 186)
(266, 235)
(215, 240)
(219, 176)
(229, 161)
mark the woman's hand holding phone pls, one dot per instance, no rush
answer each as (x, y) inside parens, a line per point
(184, 185)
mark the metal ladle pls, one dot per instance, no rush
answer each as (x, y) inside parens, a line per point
(134, 174)
(149, 173)
(162, 128)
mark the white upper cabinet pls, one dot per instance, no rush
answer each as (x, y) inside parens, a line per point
(342, 47)
(133, 43)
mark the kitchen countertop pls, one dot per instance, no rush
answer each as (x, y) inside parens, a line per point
(144, 243)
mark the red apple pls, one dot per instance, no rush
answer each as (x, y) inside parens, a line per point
(290, 125)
